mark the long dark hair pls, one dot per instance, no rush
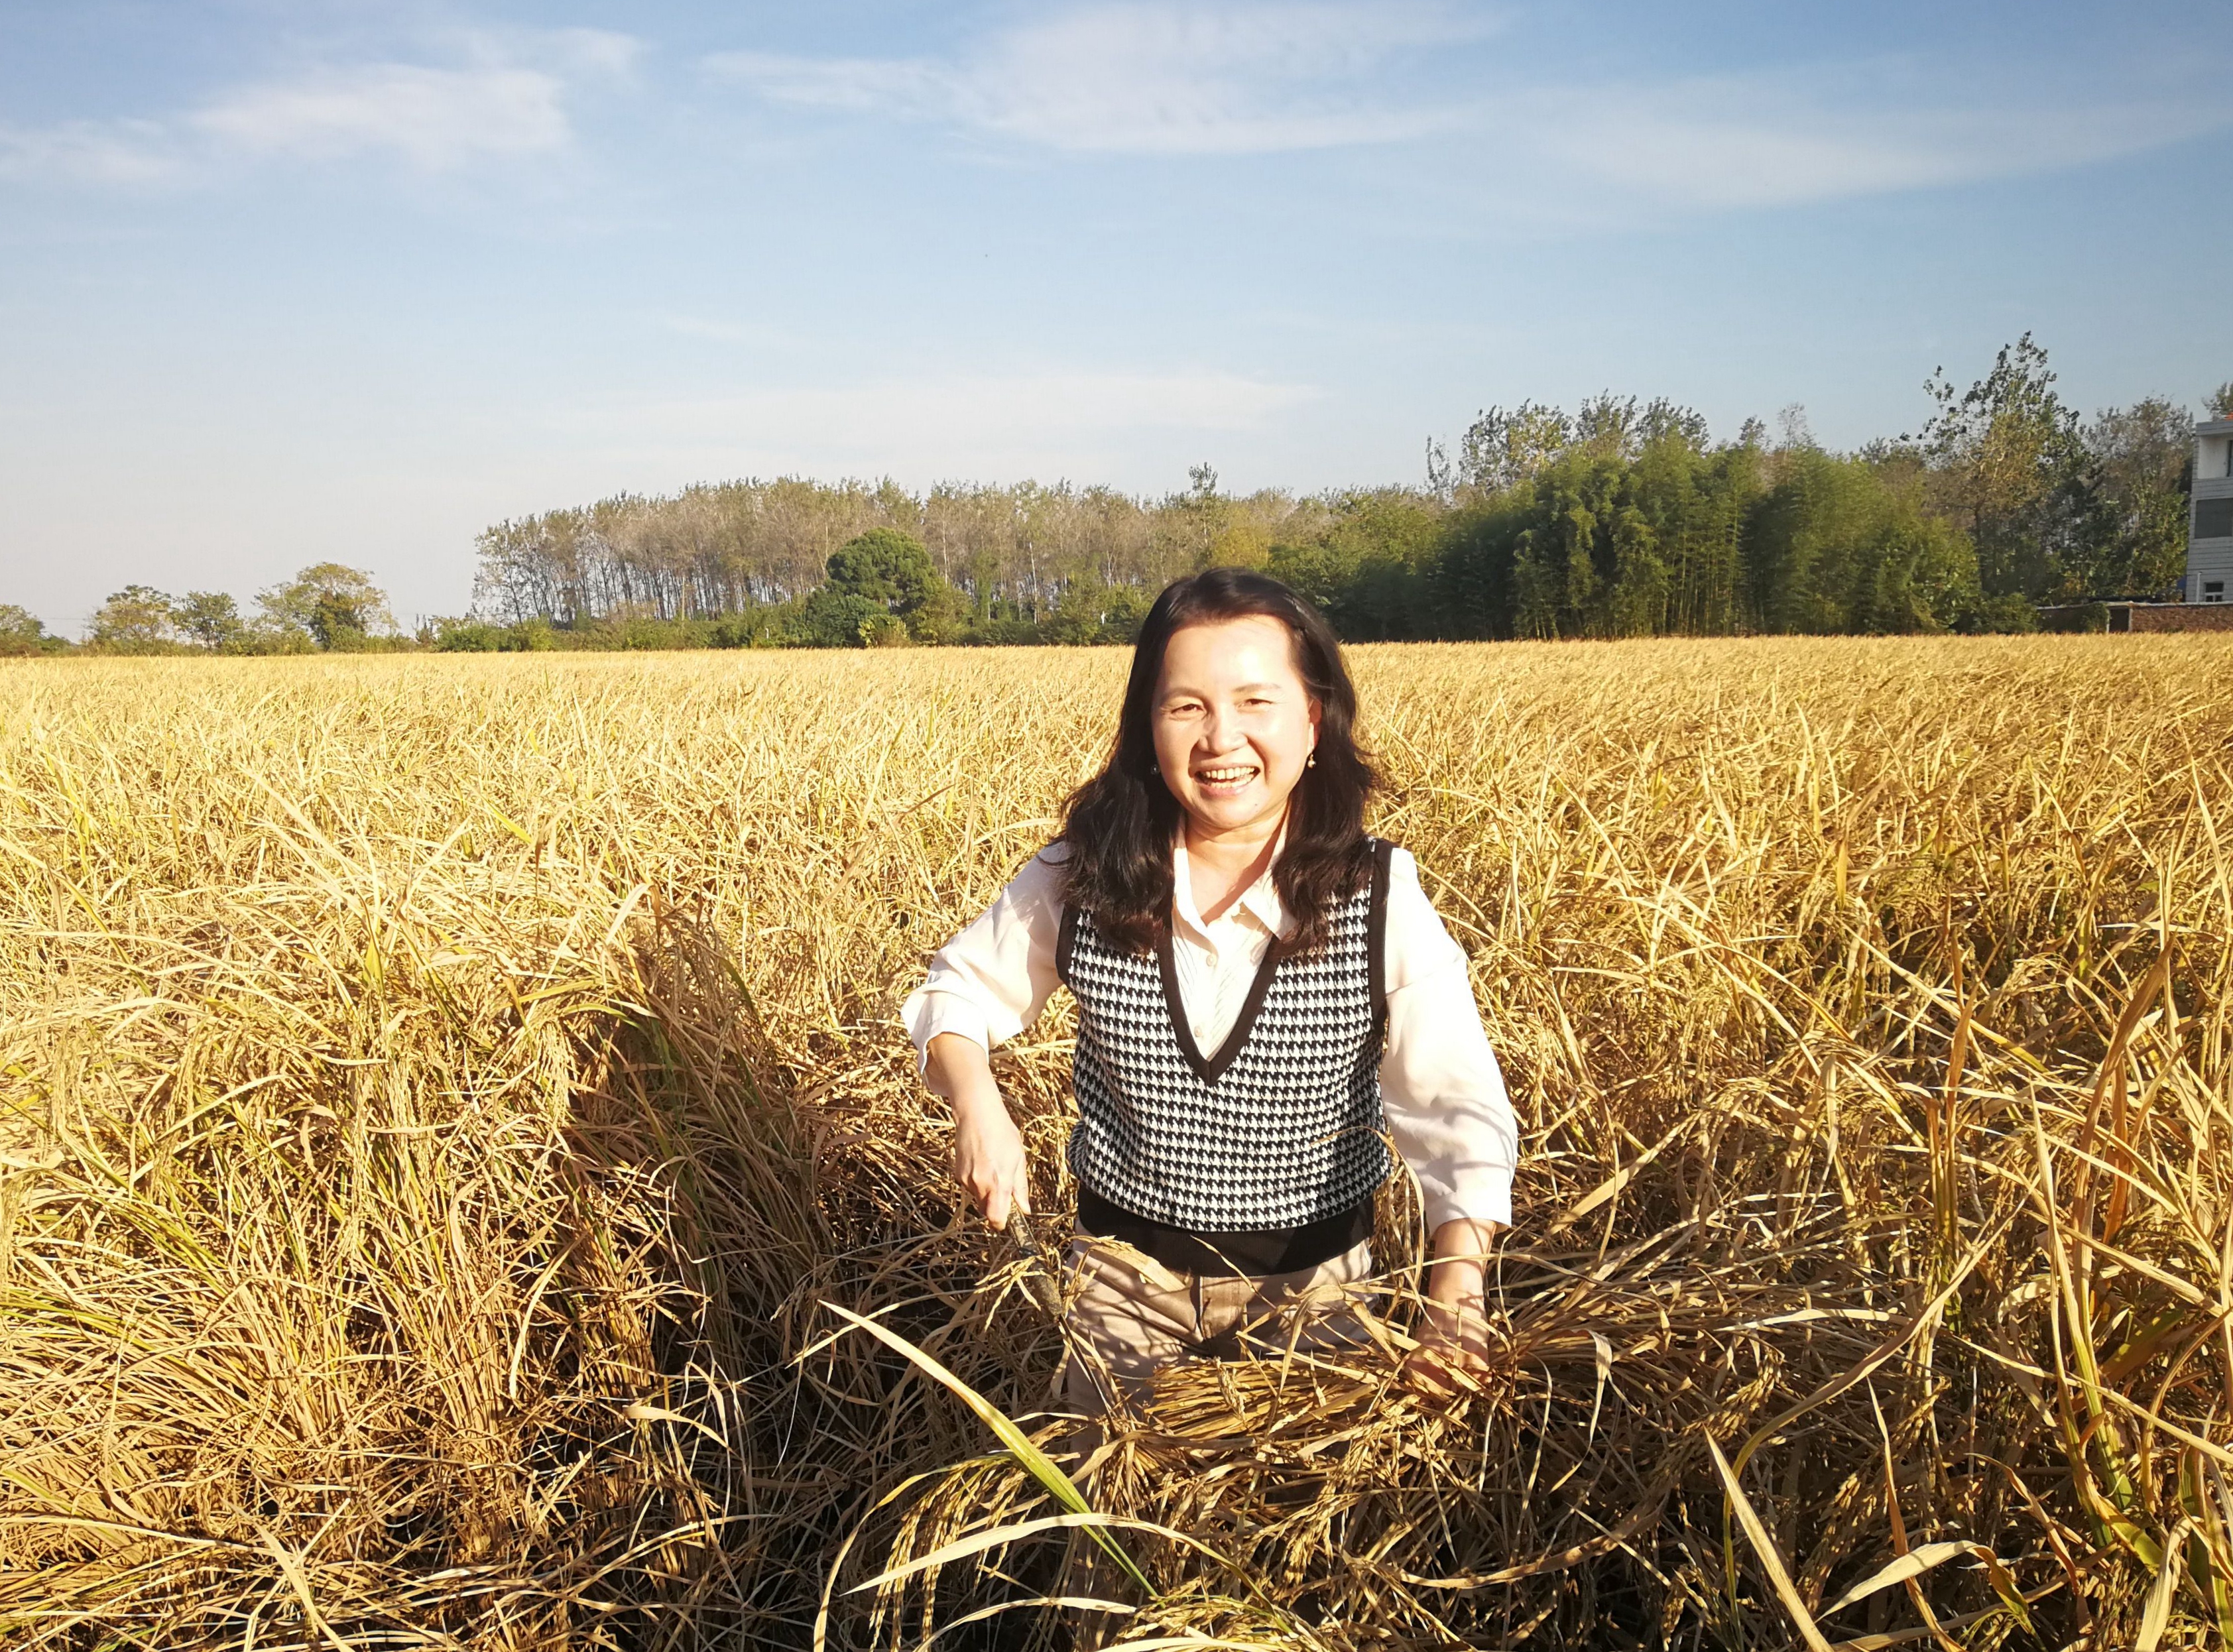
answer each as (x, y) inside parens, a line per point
(1119, 825)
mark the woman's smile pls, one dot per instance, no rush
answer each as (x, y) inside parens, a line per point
(1226, 779)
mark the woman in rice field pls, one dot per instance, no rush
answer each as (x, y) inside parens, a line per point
(1266, 999)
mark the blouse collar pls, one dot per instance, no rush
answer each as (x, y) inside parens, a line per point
(1260, 899)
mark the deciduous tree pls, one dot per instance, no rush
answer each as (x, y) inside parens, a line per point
(135, 619)
(2128, 505)
(2001, 451)
(20, 631)
(335, 605)
(210, 618)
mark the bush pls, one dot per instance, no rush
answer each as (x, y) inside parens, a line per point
(347, 639)
(999, 633)
(469, 636)
(645, 635)
(760, 628)
(893, 570)
(2075, 617)
(23, 633)
(265, 638)
(834, 619)
(2010, 613)
(1123, 609)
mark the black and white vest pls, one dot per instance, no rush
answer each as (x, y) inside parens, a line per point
(1282, 1127)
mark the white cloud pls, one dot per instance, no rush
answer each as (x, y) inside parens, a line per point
(1046, 423)
(598, 51)
(435, 117)
(1149, 78)
(1776, 140)
(501, 98)
(92, 152)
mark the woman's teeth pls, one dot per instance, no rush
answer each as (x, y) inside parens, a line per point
(1225, 777)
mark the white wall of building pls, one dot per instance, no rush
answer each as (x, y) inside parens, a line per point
(2210, 561)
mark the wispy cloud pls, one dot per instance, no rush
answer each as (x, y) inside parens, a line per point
(1150, 78)
(586, 51)
(435, 119)
(1781, 139)
(93, 152)
(1045, 423)
(505, 98)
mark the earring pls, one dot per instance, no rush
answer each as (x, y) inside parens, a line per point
(1312, 761)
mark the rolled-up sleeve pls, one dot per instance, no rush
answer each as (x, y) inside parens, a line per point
(991, 980)
(1443, 1094)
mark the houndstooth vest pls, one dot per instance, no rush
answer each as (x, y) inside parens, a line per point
(1282, 1128)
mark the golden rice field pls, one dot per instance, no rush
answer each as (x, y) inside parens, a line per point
(444, 1102)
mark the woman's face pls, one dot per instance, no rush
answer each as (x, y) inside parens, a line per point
(1234, 724)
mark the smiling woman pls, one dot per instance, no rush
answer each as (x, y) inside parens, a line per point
(1266, 1003)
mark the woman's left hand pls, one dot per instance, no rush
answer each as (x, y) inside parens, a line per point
(1454, 1332)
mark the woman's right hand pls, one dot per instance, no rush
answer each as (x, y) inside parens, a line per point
(989, 1160)
(988, 1149)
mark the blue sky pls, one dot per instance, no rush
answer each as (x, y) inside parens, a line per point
(291, 281)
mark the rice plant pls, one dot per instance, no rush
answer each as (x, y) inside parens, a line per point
(454, 1118)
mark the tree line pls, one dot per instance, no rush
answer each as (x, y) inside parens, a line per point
(326, 606)
(1622, 518)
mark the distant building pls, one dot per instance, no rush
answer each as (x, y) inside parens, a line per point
(2209, 522)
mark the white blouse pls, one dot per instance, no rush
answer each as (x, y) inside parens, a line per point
(1444, 1096)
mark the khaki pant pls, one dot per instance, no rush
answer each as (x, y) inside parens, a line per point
(1129, 1316)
